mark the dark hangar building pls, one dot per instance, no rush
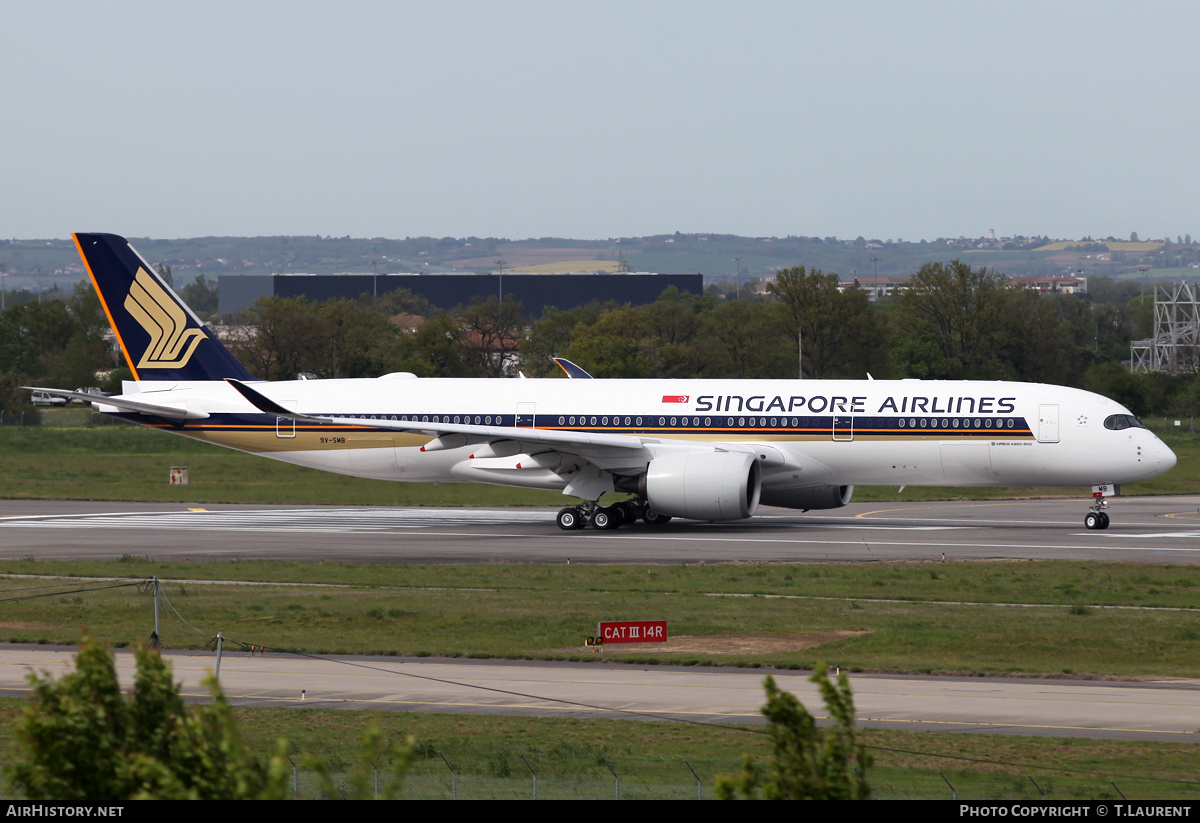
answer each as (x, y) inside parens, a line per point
(445, 291)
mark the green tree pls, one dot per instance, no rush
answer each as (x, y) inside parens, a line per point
(80, 739)
(56, 342)
(12, 396)
(807, 763)
(399, 301)
(838, 331)
(355, 341)
(436, 349)
(949, 323)
(285, 338)
(550, 335)
(201, 296)
(674, 322)
(617, 345)
(491, 334)
(1046, 338)
(746, 339)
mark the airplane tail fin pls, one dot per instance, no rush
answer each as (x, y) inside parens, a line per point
(161, 338)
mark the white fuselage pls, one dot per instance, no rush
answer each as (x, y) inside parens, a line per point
(805, 433)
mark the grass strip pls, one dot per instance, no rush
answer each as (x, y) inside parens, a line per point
(904, 617)
(568, 756)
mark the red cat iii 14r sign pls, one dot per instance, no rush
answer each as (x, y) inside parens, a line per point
(633, 631)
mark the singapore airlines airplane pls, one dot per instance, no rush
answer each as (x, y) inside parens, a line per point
(699, 449)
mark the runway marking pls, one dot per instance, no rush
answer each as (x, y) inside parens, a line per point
(858, 527)
(328, 520)
(859, 543)
(286, 520)
(958, 504)
(1193, 534)
(441, 522)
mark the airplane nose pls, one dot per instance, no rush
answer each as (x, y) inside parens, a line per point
(1166, 457)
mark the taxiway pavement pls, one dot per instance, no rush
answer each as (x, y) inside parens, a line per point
(1161, 710)
(1144, 529)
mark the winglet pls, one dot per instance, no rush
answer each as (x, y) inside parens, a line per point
(573, 371)
(161, 338)
(259, 400)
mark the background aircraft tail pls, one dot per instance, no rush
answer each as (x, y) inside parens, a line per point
(161, 338)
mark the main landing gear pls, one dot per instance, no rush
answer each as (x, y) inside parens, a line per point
(607, 518)
(1097, 518)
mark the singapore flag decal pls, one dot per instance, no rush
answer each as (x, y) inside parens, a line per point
(675, 398)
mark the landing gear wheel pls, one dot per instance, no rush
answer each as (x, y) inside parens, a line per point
(569, 519)
(1103, 520)
(653, 518)
(1092, 521)
(606, 519)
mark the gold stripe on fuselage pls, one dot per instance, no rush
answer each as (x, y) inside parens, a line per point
(265, 439)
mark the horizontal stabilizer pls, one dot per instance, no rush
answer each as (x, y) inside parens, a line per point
(109, 404)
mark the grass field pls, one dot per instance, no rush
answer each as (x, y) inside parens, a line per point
(652, 758)
(1172, 274)
(534, 611)
(651, 754)
(1143, 245)
(1090, 619)
(124, 462)
(567, 267)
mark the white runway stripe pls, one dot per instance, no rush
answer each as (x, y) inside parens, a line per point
(324, 521)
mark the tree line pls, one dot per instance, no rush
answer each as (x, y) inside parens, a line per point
(953, 322)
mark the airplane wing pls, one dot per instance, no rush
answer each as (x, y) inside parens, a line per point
(172, 412)
(549, 437)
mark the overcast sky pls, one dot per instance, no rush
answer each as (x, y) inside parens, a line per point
(526, 119)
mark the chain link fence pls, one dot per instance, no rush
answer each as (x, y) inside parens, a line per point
(921, 785)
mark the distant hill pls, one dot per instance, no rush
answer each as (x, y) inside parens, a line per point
(46, 264)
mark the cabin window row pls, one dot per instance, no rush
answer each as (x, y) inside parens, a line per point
(1117, 421)
(954, 423)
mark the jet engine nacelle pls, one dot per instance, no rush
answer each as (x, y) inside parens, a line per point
(704, 485)
(809, 497)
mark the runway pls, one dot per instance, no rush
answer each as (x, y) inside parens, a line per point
(1126, 711)
(1144, 529)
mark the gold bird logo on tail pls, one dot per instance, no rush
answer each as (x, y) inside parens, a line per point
(171, 342)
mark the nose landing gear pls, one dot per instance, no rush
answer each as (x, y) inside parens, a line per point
(1097, 518)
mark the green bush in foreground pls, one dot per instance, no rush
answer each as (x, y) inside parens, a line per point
(807, 763)
(81, 739)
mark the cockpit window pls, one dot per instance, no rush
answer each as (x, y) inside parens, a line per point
(1117, 422)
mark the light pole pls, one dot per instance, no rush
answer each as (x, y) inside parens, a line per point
(739, 260)
(875, 281)
(3, 286)
(501, 263)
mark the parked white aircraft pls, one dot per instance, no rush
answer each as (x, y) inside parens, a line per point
(699, 449)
